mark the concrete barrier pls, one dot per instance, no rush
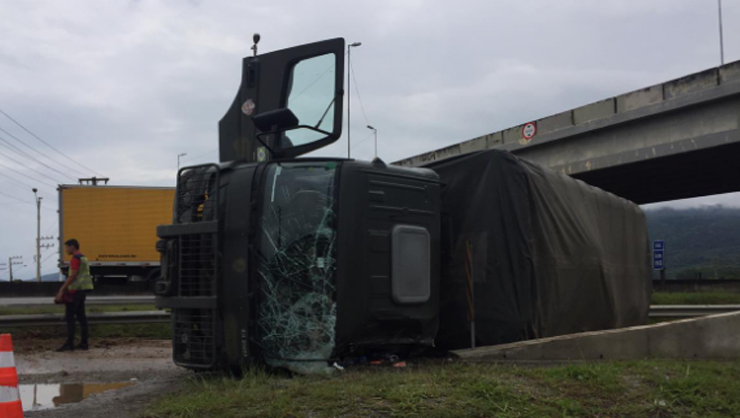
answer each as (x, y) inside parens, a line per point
(709, 337)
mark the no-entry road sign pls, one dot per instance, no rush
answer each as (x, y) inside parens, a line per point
(529, 130)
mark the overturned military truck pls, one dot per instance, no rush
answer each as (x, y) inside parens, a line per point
(296, 262)
(300, 262)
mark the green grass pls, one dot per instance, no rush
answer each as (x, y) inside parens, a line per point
(698, 298)
(59, 309)
(454, 389)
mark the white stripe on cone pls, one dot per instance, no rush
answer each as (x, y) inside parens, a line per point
(6, 359)
(8, 394)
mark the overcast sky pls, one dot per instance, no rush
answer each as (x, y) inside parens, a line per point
(122, 87)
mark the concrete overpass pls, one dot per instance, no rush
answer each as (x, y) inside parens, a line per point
(670, 141)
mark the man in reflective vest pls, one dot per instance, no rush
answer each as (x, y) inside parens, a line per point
(73, 293)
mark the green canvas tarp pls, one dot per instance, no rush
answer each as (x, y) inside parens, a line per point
(546, 254)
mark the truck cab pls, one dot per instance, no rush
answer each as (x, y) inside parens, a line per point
(297, 262)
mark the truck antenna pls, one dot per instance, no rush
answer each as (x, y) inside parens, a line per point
(256, 39)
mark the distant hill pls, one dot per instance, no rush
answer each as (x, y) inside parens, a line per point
(51, 277)
(702, 241)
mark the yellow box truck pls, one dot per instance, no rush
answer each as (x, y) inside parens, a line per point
(116, 227)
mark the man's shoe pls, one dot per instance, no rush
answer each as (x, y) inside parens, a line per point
(82, 346)
(65, 347)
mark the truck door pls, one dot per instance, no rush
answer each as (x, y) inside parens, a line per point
(289, 103)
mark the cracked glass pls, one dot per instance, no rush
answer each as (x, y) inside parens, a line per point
(296, 315)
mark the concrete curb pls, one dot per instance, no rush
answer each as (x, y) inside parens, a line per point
(709, 337)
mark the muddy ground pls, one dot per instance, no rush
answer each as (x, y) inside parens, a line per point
(146, 364)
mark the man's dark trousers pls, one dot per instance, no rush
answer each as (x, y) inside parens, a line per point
(76, 308)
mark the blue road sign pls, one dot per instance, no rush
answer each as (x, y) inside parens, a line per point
(658, 255)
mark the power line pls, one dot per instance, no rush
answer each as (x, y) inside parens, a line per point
(28, 203)
(26, 186)
(24, 266)
(49, 145)
(23, 153)
(202, 155)
(27, 166)
(319, 77)
(43, 260)
(52, 226)
(357, 89)
(26, 175)
(15, 198)
(25, 189)
(56, 161)
(363, 140)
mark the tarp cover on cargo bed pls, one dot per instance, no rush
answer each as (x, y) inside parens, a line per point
(548, 254)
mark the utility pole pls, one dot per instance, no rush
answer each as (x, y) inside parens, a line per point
(37, 258)
(349, 90)
(38, 234)
(12, 263)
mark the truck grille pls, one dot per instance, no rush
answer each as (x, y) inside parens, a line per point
(193, 337)
(198, 265)
(197, 189)
(194, 330)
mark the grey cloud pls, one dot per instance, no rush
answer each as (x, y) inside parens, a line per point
(125, 86)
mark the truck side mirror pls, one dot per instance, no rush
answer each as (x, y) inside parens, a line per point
(278, 119)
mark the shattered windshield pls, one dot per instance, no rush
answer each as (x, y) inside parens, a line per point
(297, 307)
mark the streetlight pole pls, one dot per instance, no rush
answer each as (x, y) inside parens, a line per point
(349, 91)
(375, 132)
(38, 234)
(721, 40)
(178, 159)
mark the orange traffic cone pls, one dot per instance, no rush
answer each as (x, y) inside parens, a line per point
(10, 400)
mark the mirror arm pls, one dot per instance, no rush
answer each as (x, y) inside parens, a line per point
(263, 142)
(311, 128)
(278, 132)
(325, 112)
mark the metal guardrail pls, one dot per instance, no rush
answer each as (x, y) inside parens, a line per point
(689, 311)
(122, 300)
(148, 317)
(91, 300)
(142, 317)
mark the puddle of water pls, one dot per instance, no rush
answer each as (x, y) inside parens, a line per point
(47, 396)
